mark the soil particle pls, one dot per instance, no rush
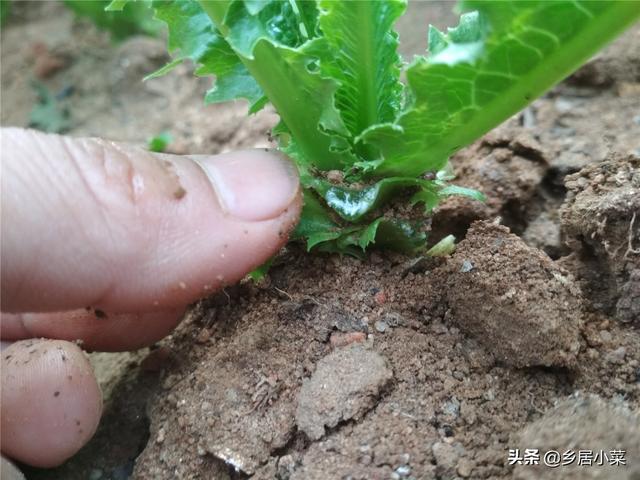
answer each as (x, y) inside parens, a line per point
(585, 423)
(601, 222)
(344, 386)
(523, 308)
(339, 339)
(446, 456)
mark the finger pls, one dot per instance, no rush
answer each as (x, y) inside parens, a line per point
(50, 401)
(96, 330)
(92, 223)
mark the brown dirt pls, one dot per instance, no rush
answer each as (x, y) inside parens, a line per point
(439, 366)
(514, 299)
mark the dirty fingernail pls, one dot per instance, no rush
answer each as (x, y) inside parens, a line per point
(252, 185)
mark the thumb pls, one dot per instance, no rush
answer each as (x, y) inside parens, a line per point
(92, 223)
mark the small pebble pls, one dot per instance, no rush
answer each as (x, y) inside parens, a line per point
(339, 339)
(452, 407)
(617, 355)
(380, 297)
(465, 466)
(467, 266)
(445, 454)
(489, 395)
(403, 471)
(381, 326)
(160, 437)
(95, 474)
(203, 336)
(605, 336)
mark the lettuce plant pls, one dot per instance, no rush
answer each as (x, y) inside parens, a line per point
(365, 128)
(136, 18)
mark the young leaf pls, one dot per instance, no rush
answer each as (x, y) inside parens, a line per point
(287, 71)
(489, 68)
(365, 61)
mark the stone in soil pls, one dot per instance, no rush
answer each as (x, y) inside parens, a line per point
(589, 424)
(515, 301)
(601, 222)
(345, 385)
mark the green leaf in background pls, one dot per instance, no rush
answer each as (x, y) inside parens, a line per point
(5, 11)
(193, 36)
(159, 143)
(135, 17)
(47, 114)
(496, 62)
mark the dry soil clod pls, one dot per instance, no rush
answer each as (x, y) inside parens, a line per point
(345, 385)
(588, 424)
(601, 222)
(515, 301)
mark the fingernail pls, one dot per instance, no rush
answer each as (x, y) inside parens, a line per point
(252, 185)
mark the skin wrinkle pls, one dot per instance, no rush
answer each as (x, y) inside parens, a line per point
(17, 288)
(100, 208)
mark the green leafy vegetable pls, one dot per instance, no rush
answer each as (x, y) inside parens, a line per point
(136, 18)
(332, 71)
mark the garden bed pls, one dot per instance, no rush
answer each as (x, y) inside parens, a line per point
(392, 367)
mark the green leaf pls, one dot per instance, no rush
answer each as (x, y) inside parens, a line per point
(486, 70)
(455, 190)
(284, 64)
(261, 272)
(314, 220)
(365, 60)
(116, 5)
(47, 114)
(325, 234)
(193, 36)
(396, 235)
(5, 11)
(444, 247)
(121, 18)
(159, 143)
(352, 204)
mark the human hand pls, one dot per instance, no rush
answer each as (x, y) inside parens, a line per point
(107, 244)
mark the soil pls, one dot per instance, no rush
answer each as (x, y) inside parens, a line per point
(392, 367)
